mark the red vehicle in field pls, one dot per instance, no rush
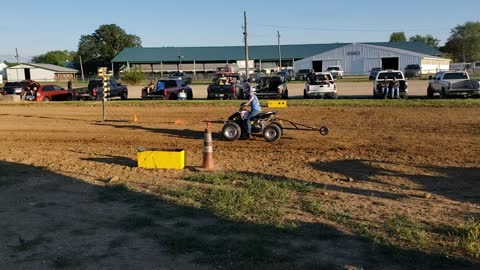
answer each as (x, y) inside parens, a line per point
(51, 92)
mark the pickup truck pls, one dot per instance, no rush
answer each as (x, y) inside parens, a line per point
(452, 83)
(95, 90)
(272, 87)
(167, 89)
(323, 86)
(387, 76)
(227, 86)
(336, 71)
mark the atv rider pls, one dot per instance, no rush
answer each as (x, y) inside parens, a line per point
(255, 110)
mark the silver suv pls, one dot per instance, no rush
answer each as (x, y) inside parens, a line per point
(373, 73)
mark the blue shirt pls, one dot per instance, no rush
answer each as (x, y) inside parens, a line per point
(255, 103)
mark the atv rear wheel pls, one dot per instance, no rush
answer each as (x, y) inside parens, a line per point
(272, 132)
(231, 131)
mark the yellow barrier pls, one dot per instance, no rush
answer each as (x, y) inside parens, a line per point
(277, 103)
(162, 159)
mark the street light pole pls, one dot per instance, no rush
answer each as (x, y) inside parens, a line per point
(179, 59)
(279, 51)
(245, 34)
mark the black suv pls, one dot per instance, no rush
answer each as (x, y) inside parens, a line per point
(301, 75)
(181, 76)
(412, 71)
(14, 87)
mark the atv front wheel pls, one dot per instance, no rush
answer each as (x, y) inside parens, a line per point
(231, 131)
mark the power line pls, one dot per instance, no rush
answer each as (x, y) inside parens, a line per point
(349, 30)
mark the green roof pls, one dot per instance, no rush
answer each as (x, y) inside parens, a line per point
(232, 53)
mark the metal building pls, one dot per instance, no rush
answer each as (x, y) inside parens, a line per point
(360, 58)
(40, 72)
(354, 58)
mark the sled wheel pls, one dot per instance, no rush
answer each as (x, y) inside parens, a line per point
(272, 132)
(323, 131)
(231, 131)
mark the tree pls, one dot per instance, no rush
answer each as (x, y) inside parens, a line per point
(464, 42)
(99, 48)
(398, 37)
(59, 58)
(427, 39)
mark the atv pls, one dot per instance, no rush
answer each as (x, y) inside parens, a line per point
(266, 123)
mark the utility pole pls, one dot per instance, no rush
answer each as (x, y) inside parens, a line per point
(279, 51)
(245, 39)
(81, 69)
(18, 62)
(17, 56)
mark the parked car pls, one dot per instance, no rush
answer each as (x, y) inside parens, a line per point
(373, 73)
(453, 83)
(286, 74)
(17, 88)
(51, 92)
(181, 76)
(232, 88)
(388, 75)
(168, 89)
(336, 71)
(272, 87)
(412, 71)
(324, 86)
(255, 77)
(301, 74)
(95, 90)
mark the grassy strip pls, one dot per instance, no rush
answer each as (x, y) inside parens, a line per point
(291, 103)
(241, 220)
(466, 237)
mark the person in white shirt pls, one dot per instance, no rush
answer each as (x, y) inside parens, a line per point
(182, 95)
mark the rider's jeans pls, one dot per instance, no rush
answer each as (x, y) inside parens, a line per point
(249, 120)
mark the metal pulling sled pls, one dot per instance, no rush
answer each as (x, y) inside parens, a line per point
(299, 126)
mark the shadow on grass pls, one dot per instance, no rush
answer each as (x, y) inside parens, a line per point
(328, 187)
(457, 183)
(122, 215)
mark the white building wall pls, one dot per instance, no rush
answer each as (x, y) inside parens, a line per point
(359, 58)
(36, 74)
(43, 75)
(15, 74)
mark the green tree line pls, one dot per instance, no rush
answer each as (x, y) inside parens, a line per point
(463, 45)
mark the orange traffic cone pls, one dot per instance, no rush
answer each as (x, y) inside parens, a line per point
(208, 149)
(135, 119)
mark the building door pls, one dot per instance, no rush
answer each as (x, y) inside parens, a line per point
(390, 63)
(27, 74)
(317, 66)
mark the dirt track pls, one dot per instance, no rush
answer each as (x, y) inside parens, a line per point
(395, 157)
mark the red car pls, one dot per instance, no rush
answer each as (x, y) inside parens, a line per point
(51, 92)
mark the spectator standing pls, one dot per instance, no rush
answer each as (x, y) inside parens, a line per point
(312, 77)
(70, 86)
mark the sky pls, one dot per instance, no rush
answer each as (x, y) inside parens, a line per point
(35, 27)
